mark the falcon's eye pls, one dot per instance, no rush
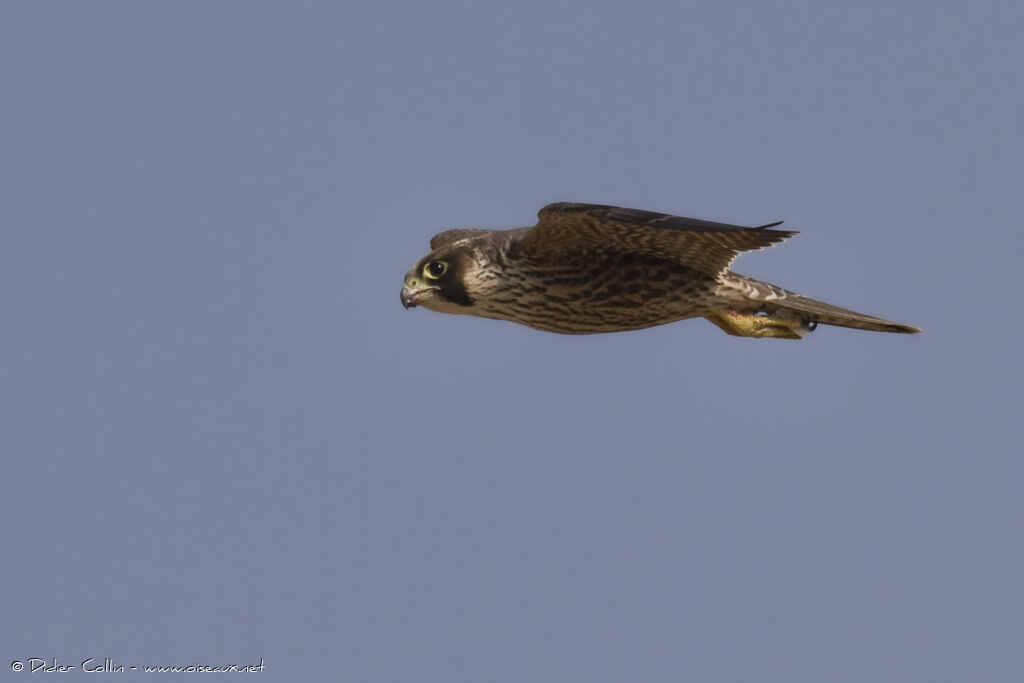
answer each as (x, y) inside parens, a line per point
(435, 269)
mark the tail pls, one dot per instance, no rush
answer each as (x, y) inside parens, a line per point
(827, 314)
(781, 303)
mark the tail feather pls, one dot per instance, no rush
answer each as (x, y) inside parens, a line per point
(773, 298)
(827, 314)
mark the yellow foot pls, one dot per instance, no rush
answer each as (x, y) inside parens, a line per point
(775, 325)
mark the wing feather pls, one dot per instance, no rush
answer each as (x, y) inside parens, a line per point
(703, 245)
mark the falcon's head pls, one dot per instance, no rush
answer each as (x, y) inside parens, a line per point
(448, 279)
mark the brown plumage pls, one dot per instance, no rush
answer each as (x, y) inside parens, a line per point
(588, 268)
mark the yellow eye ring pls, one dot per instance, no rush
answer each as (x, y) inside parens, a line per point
(435, 270)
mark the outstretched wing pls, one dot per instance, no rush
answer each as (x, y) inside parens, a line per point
(702, 245)
(450, 236)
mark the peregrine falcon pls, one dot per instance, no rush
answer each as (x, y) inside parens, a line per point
(590, 268)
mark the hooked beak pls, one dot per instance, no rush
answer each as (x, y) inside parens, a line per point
(411, 294)
(408, 297)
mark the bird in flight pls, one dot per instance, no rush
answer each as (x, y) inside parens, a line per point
(590, 268)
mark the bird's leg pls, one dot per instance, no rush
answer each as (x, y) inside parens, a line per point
(775, 325)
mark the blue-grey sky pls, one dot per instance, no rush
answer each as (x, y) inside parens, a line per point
(223, 439)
